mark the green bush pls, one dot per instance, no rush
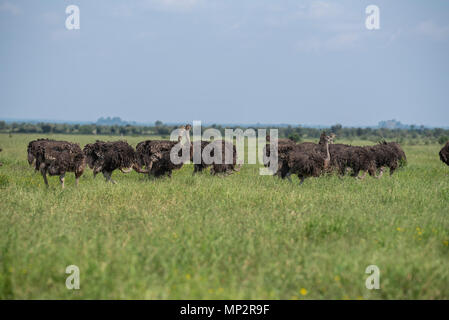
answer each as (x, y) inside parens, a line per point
(443, 139)
(295, 137)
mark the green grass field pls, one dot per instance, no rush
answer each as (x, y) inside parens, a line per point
(241, 237)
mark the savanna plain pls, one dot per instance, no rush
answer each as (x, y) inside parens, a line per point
(244, 236)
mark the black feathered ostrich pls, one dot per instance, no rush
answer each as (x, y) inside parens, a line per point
(311, 161)
(33, 147)
(105, 157)
(57, 158)
(155, 154)
(218, 167)
(444, 154)
(386, 155)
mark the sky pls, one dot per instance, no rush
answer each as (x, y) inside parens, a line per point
(310, 62)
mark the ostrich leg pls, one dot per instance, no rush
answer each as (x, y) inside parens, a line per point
(380, 173)
(150, 165)
(195, 169)
(107, 175)
(44, 175)
(392, 170)
(77, 177)
(363, 176)
(301, 180)
(355, 174)
(61, 179)
(96, 170)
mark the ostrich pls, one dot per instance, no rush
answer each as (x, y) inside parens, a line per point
(164, 166)
(308, 163)
(58, 158)
(444, 154)
(357, 159)
(287, 146)
(397, 149)
(34, 145)
(387, 154)
(284, 146)
(198, 167)
(156, 153)
(150, 151)
(225, 147)
(106, 157)
(354, 158)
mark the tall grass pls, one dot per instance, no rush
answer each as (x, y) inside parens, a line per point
(241, 237)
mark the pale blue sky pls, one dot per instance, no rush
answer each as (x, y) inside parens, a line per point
(226, 61)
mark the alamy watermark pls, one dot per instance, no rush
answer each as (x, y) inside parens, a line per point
(373, 281)
(72, 22)
(73, 280)
(257, 147)
(372, 21)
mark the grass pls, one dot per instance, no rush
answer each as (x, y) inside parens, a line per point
(241, 237)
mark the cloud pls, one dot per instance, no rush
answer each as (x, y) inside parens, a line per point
(10, 8)
(432, 30)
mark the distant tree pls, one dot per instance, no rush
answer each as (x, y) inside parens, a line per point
(336, 128)
(158, 123)
(443, 139)
(87, 129)
(162, 130)
(295, 137)
(46, 128)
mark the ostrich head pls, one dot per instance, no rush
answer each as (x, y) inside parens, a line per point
(324, 138)
(182, 129)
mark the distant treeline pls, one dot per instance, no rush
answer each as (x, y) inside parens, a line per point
(412, 135)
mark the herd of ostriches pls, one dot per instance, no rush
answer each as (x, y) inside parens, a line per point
(152, 157)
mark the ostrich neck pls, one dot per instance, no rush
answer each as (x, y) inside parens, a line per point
(328, 155)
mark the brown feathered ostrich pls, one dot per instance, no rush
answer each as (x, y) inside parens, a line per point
(368, 159)
(220, 167)
(105, 157)
(59, 157)
(309, 162)
(444, 154)
(386, 155)
(33, 147)
(284, 146)
(155, 154)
